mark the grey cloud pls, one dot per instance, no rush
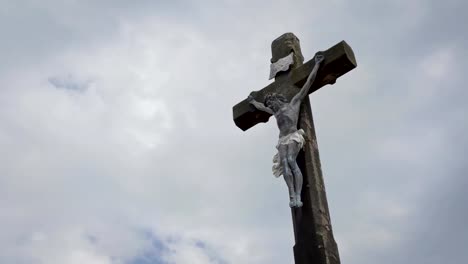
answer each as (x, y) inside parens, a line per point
(33, 31)
(388, 133)
(154, 253)
(69, 83)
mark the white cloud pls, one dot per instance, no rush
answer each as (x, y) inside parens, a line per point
(150, 143)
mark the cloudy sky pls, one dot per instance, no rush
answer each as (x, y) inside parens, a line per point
(117, 143)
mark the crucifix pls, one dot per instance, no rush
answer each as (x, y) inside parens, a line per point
(298, 159)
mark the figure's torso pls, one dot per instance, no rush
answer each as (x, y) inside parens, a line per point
(286, 119)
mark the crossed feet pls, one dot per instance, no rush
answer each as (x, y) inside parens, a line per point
(295, 201)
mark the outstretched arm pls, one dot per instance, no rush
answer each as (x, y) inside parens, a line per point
(297, 99)
(259, 105)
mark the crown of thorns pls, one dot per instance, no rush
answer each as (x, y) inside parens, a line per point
(274, 97)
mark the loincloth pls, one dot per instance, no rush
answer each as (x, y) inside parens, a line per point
(297, 136)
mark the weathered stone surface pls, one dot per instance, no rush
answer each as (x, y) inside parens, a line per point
(283, 45)
(315, 243)
(339, 60)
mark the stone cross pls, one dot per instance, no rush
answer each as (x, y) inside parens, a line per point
(314, 241)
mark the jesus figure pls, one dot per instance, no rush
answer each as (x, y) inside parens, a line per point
(291, 140)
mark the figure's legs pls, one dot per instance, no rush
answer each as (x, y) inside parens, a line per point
(287, 174)
(293, 151)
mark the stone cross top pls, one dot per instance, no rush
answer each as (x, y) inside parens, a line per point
(314, 239)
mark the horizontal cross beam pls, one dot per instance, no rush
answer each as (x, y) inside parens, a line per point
(339, 60)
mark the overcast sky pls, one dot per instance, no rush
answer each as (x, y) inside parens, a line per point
(117, 143)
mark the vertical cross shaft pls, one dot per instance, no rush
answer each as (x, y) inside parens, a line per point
(314, 239)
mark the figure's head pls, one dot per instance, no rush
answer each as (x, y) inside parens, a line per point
(275, 101)
(284, 45)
